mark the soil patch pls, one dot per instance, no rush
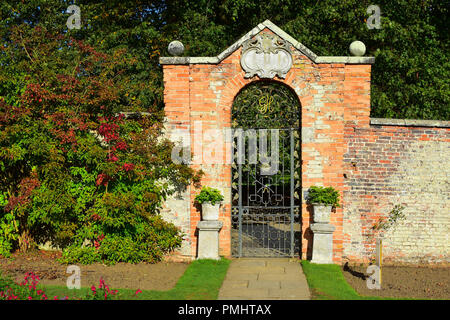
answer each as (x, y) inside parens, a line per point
(403, 281)
(160, 276)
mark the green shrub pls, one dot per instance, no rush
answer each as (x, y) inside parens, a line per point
(208, 194)
(323, 195)
(147, 239)
(73, 169)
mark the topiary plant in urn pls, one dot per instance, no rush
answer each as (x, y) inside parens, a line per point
(210, 199)
(323, 199)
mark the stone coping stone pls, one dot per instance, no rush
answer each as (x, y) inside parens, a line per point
(410, 123)
(210, 225)
(322, 227)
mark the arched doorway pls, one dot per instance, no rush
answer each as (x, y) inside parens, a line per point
(266, 177)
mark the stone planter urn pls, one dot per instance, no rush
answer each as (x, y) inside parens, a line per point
(210, 212)
(210, 200)
(321, 212)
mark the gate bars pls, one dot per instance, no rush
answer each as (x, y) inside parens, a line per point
(265, 198)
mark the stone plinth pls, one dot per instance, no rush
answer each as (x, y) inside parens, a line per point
(322, 242)
(208, 239)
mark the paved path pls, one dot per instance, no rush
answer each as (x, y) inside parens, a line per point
(264, 278)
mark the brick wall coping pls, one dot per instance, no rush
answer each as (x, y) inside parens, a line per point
(373, 121)
(266, 24)
(410, 123)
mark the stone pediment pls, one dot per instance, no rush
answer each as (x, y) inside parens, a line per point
(278, 33)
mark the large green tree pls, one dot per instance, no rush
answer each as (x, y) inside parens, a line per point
(410, 75)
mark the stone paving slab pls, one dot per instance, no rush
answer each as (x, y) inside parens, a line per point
(238, 284)
(291, 276)
(264, 269)
(264, 284)
(293, 284)
(264, 279)
(232, 276)
(288, 293)
(249, 263)
(244, 294)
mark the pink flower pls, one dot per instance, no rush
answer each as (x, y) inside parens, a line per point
(138, 291)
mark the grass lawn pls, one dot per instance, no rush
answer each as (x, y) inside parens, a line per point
(201, 281)
(327, 282)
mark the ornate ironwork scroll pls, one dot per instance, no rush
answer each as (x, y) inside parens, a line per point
(266, 104)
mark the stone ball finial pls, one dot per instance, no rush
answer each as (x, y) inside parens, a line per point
(176, 48)
(357, 48)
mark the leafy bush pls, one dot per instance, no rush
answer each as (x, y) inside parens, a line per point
(208, 194)
(148, 244)
(323, 195)
(8, 228)
(73, 169)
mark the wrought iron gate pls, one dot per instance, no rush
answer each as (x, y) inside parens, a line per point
(266, 181)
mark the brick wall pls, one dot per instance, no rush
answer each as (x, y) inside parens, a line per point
(372, 166)
(387, 165)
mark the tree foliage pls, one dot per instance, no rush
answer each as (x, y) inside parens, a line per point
(410, 75)
(411, 70)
